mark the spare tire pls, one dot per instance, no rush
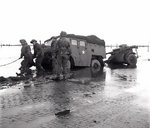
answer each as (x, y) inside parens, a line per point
(131, 60)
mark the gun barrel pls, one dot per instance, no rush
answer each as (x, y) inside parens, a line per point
(109, 53)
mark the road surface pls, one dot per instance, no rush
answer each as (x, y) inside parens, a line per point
(113, 98)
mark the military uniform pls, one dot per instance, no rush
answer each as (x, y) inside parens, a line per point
(63, 56)
(28, 57)
(54, 51)
(39, 55)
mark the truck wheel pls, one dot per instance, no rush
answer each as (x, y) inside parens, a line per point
(96, 66)
(131, 60)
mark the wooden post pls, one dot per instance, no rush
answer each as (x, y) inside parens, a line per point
(40, 41)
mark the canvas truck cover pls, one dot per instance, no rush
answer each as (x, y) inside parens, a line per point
(90, 39)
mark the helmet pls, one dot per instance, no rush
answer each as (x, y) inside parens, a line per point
(122, 45)
(32, 41)
(63, 33)
(22, 41)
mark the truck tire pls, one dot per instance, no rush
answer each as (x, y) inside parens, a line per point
(96, 65)
(131, 60)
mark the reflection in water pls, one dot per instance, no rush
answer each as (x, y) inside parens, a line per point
(61, 102)
(117, 80)
(120, 66)
(133, 81)
(61, 96)
(87, 81)
(87, 73)
(142, 88)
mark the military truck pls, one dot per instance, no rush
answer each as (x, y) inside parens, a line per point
(87, 51)
(123, 55)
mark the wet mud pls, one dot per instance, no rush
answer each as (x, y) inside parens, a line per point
(112, 98)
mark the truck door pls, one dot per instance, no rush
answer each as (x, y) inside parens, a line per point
(84, 54)
(75, 52)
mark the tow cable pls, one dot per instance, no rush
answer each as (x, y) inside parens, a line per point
(9, 63)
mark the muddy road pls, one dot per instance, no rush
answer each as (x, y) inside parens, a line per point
(113, 98)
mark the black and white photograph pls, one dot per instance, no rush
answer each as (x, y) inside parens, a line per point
(74, 64)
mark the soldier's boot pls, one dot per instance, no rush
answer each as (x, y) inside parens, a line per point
(20, 74)
(20, 68)
(65, 76)
(56, 76)
(28, 72)
(60, 76)
(40, 73)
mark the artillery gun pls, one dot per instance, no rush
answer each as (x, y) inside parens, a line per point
(123, 55)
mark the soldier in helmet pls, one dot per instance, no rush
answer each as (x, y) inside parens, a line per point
(63, 54)
(39, 55)
(28, 58)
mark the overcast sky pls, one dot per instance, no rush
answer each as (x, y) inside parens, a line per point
(115, 21)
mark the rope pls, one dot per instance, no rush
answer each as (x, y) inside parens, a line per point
(9, 63)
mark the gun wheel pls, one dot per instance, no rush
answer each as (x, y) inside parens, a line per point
(132, 60)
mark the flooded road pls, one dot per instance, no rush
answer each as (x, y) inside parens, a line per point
(113, 98)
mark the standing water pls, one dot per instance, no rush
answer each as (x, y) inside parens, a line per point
(113, 98)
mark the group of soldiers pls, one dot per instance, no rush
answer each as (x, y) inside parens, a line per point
(60, 55)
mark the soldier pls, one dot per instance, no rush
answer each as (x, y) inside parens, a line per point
(39, 55)
(63, 55)
(54, 51)
(28, 58)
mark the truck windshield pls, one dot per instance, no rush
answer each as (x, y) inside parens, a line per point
(48, 43)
